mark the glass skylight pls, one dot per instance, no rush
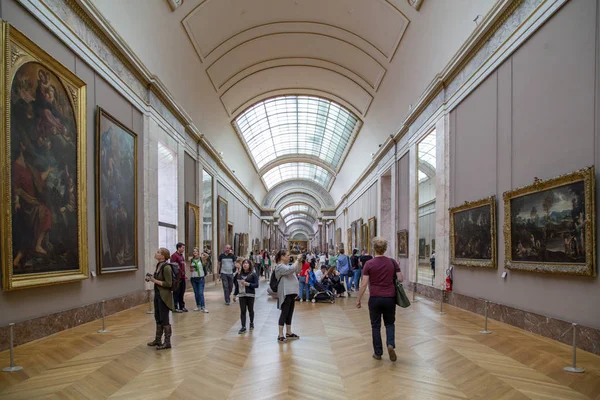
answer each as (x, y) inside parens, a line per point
(298, 207)
(292, 125)
(299, 218)
(296, 170)
(291, 217)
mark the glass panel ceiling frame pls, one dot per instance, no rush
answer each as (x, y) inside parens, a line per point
(304, 217)
(426, 152)
(299, 218)
(297, 170)
(296, 125)
(298, 207)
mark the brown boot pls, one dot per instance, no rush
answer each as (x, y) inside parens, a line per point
(167, 343)
(157, 341)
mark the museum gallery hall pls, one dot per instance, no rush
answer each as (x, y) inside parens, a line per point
(299, 199)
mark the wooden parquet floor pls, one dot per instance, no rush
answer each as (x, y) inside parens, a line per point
(439, 357)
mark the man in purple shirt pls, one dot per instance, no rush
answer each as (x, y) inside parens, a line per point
(178, 293)
(378, 274)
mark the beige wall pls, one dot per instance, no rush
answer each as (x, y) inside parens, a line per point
(402, 203)
(536, 116)
(30, 303)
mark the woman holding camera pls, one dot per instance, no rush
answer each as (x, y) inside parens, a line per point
(163, 298)
(246, 283)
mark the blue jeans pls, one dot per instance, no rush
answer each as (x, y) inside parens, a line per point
(356, 279)
(227, 280)
(304, 287)
(198, 285)
(348, 278)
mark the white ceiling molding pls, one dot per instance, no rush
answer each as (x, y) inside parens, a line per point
(175, 4)
(280, 46)
(207, 32)
(297, 198)
(416, 4)
(294, 79)
(285, 188)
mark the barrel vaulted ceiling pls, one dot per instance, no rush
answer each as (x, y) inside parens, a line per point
(308, 89)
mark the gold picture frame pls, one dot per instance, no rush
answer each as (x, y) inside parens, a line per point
(472, 214)
(192, 210)
(561, 240)
(402, 243)
(103, 117)
(222, 224)
(372, 233)
(364, 230)
(349, 241)
(37, 74)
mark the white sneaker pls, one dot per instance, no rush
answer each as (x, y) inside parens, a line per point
(196, 309)
(301, 300)
(204, 310)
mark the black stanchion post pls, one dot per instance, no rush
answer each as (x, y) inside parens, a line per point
(13, 367)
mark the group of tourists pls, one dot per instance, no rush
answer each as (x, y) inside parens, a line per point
(292, 280)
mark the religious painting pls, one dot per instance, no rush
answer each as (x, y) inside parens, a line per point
(473, 234)
(359, 234)
(349, 240)
(372, 233)
(364, 233)
(402, 243)
(338, 236)
(549, 226)
(236, 245)
(354, 241)
(222, 224)
(116, 195)
(421, 247)
(192, 228)
(296, 247)
(43, 154)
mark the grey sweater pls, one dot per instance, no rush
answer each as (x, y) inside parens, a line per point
(288, 283)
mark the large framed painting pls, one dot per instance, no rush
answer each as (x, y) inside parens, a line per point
(473, 234)
(296, 247)
(338, 236)
(550, 227)
(364, 234)
(116, 195)
(354, 236)
(222, 224)
(192, 228)
(236, 245)
(402, 243)
(43, 208)
(372, 233)
(349, 240)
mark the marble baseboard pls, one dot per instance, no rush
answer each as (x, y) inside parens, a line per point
(588, 339)
(37, 328)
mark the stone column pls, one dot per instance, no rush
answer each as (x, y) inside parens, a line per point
(413, 233)
(442, 202)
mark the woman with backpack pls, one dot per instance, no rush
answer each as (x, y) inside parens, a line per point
(287, 290)
(303, 279)
(163, 298)
(246, 283)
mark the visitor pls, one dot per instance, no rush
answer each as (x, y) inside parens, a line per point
(246, 283)
(334, 282)
(333, 259)
(226, 267)
(267, 267)
(343, 267)
(378, 275)
(303, 279)
(163, 298)
(198, 273)
(322, 259)
(179, 292)
(355, 272)
(432, 262)
(287, 290)
(364, 258)
(320, 273)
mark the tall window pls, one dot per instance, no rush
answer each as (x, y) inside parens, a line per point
(167, 197)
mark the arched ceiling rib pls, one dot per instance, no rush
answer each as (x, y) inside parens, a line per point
(308, 228)
(298, 208)
(297, 170)
(284, 189)
(297, 198)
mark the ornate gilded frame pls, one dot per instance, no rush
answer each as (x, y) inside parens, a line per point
(222, 202)
(403, 232)
(190, 207)
(349, 241)
(372, 233)
(18, 50)
(587, 175)
(364, 231)
(99, 267)
(467, 262)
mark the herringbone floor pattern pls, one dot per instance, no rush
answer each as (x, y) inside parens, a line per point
(439, 357)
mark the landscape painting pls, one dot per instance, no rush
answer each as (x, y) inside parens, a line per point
(402, 243)
(550, 226)
(116, 217)
(43, 156)
(473, 234)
